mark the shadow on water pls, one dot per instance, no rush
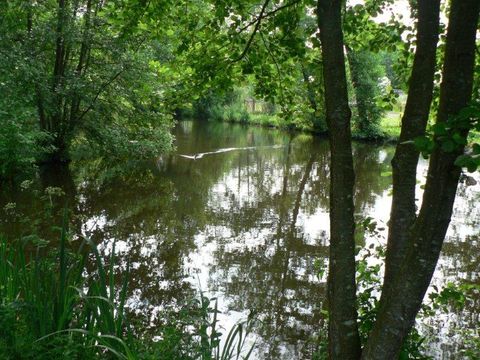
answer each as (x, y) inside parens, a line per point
(247, 220)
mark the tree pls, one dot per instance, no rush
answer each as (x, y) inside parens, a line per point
(92, 72)
(414, 243)
(365, 74)
(425, 237)
(364, 40)
(414, 123)
(344, 339)
(343, 332)
(73, 65)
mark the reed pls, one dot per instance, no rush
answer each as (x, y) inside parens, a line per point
(51, 309)
(52, 301)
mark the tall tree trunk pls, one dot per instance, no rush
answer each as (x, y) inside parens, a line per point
(414, 122)
(310, 90)
(403, 301)
(39, 100)
(356, 81)
(81, 66)
(344, 340)
(54, 113)
(58, 70)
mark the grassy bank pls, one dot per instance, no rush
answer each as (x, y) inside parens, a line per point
(241, 106)
(389, 126)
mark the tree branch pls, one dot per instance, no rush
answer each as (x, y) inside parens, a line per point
(282, 98)
(261, 17)
(257, 26)
(102, 88)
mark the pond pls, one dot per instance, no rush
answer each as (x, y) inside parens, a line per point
(240, 213)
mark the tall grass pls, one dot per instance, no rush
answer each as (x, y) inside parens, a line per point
(48, 304)
(51, 309)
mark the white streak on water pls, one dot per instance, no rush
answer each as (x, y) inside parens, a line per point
(224, 150)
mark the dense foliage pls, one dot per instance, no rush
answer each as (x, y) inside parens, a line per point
(71, 76)
(105, 79)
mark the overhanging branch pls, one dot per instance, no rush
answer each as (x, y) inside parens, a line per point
(255, 30)
(270, 13)
(102, 88)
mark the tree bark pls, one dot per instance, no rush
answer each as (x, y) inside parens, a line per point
(58, 70)
(414, 122)
(403, 301)
(356, 84)
(82, 59)
(344, 340)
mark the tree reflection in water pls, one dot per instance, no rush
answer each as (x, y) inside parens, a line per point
(248, 224)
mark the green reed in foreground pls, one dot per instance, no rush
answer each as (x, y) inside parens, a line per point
(50, 309)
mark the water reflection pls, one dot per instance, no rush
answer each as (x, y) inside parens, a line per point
(249, 225)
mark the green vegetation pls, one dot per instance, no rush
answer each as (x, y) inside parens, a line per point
(369, 282)
(79, 80)
(64, 66)
(50, 310)
(103, 82)
(390, 125)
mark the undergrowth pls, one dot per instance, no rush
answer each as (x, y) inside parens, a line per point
(50, 308)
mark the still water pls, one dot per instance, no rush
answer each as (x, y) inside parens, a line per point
(242, 214)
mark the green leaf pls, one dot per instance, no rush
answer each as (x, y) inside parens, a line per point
(424, 144)
(459, 139)
(440, 129)
(448, 146)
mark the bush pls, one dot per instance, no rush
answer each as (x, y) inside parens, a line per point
(19, 147)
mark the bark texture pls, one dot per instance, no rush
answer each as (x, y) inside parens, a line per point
(414, 122)
(397, 315)
(344, 340)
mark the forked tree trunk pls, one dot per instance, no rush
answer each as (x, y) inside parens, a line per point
(344, 340)
(402, 303)
(414, 122)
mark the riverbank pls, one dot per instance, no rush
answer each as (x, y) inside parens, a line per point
(390, 127)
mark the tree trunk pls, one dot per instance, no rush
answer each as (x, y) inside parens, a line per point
(414, 122)
(58, 70)
(39, 100)
(403, 301)
(344, 340)
(53, 114)
(310, 90)
(82, 60)
(353, 65)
